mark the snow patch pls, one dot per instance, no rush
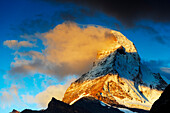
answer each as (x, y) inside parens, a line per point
(81, 96)
(103, 104)
(126, 110)
(133, 103)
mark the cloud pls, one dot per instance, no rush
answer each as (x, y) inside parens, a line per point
(29, 99)
(159, 66)
(69, 49)
(166, 70)
(156, 63)
(155, 31)
(13, 44)
(9, 96)
(125, 11)
(22, 66)
(44, 97)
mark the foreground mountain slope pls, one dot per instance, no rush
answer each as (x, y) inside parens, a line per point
(162, 105)
(56, 106)
(118, 78)
(84, 105)
(92, 103)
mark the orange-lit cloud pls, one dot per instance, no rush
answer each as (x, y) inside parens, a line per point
(69, 49)
(13, 44)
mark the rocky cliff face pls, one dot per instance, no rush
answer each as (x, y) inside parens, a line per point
(118, 78)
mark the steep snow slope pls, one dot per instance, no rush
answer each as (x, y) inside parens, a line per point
(118, 78)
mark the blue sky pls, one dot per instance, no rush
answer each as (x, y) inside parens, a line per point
(28, 20)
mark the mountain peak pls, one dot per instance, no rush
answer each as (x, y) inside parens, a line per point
(118, 78)
(119, 40)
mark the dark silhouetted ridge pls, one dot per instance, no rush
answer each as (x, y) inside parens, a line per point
(162, 105)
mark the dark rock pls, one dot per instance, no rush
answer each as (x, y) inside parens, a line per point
(84, 105)
(93, 105)
(14, 111)
(162, 105)
(31, 111)
(56, 106)
(121, 50)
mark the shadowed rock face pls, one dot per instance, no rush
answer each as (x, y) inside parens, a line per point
(56, 106)
(84, 105)
(162, 105)
(94, 106)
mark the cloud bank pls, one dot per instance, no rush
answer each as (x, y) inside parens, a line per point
(128, 12)
(69, 49)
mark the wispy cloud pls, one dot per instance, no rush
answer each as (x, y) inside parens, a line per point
(9, 96)
(166, 70)
(159, 66)
(14, 44)
(160, 35)
(29, 99)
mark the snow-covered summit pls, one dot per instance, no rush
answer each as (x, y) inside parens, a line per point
(118, 77)
(118, 40)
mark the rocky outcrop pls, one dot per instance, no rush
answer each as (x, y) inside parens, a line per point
(162, 105)
(14, 111)
(56, 106)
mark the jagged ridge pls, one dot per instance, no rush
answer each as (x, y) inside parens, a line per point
(84, 105)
